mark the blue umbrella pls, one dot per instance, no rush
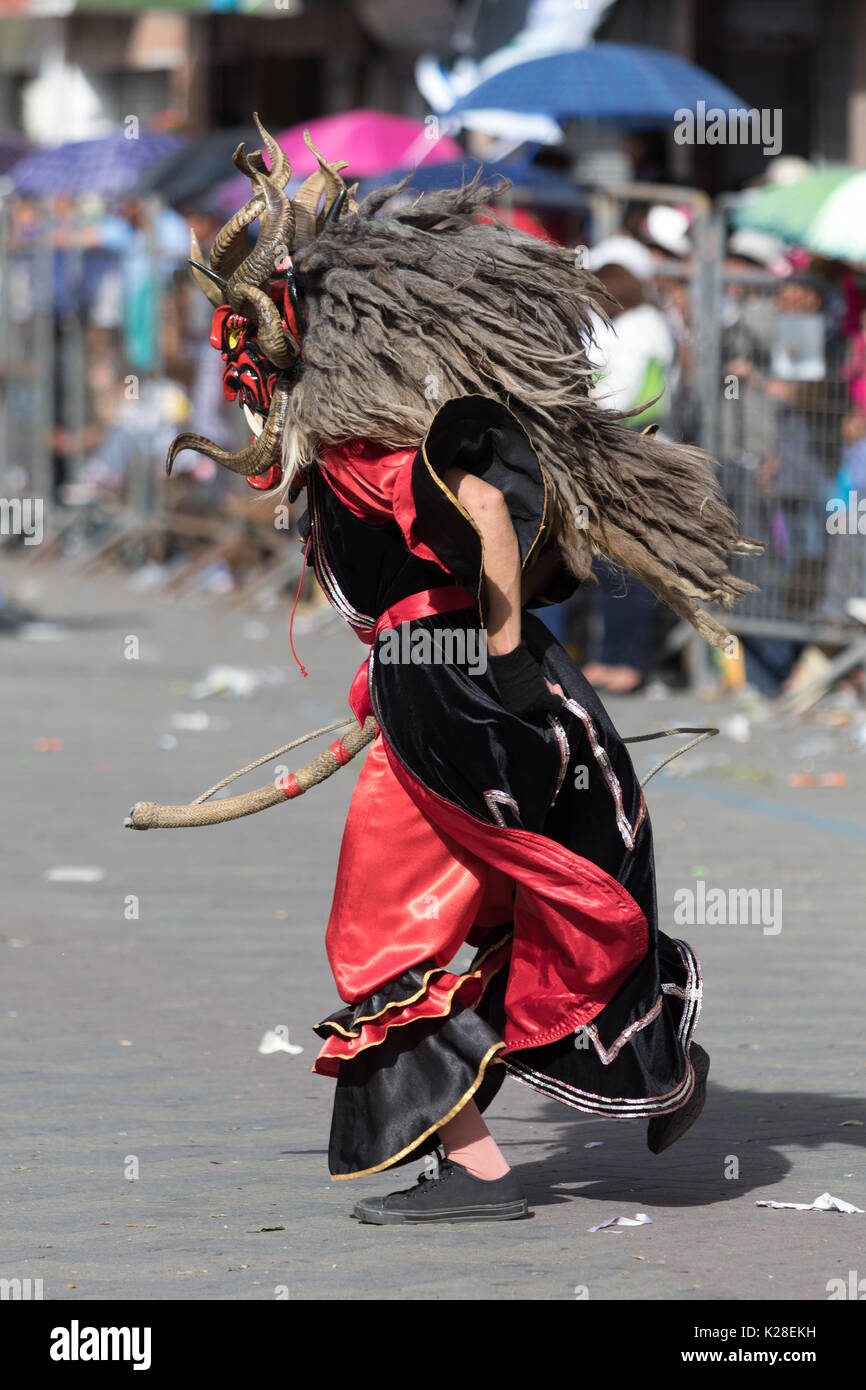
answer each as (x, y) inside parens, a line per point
(110, 165)
(626, 84)
(534, 184)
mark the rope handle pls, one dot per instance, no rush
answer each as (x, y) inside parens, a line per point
(151, 815)
(269, 757)
(702, 734)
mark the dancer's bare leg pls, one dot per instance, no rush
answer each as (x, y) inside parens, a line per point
(467, 1141)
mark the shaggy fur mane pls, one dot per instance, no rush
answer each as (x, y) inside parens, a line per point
(410, 307)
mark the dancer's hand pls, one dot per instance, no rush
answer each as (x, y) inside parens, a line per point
(522, 687)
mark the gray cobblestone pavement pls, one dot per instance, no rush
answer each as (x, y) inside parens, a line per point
(133, 1040)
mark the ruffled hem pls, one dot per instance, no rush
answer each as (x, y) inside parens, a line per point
(416, 995)
(420, 1144)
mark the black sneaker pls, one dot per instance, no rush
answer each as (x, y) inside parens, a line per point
(452, 1195)
(665, 1130)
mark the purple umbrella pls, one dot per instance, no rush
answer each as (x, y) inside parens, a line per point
(110, 165)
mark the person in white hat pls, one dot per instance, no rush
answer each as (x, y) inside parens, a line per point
(634, 354)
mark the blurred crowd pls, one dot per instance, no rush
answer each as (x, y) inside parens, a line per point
(101, 292)
(127, 332)
(788, 425)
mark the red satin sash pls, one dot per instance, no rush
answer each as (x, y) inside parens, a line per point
(446, 599)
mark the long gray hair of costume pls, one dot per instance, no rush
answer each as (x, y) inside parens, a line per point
(410, 307)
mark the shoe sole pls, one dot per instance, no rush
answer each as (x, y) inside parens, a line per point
(380, 1216)
(673, 1127)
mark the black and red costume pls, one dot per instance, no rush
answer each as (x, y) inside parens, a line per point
(528, 840)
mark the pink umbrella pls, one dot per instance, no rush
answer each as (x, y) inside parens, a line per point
(372, 142)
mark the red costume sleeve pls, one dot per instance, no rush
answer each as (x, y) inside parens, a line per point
(376, 485)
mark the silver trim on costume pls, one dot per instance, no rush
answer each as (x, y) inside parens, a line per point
(564, 755)
(607, 1055)
(625, 1106)
(324, 573)
(495, 799)
(626, 829)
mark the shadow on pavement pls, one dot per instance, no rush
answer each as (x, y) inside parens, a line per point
(749, 1126)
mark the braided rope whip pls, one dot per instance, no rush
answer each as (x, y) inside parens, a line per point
(678, 753)
(150, 815)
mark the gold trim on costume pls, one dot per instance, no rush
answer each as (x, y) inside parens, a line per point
(523, 428)
(477, 395)
(463, 512)
(365, 1172)
(377, 1042)
(403, 1003)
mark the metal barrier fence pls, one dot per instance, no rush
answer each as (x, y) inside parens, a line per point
(786, 440)
(104, 358)
(28, 339)
(761, 383)
(69, 373)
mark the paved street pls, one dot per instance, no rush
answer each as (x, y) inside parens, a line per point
(129, 1043)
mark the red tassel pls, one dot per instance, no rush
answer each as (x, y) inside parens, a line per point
(294, 607)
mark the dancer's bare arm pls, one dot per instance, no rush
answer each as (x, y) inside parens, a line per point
(489, 510)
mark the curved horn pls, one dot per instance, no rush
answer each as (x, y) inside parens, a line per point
(333, 182)
(278, 345)
(276, 230)
(306, 206)
(281, 169)
(207, 280)
(249, 164)
(250, 461)
(229, 247)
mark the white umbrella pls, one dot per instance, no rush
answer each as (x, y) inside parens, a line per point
(838, 229)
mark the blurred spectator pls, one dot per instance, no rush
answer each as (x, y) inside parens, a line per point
(846, 552)
(787, 427)
(147, 253)
(666, 232)
(634, 356)
(747, 420)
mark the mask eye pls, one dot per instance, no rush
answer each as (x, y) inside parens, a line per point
(234, 336)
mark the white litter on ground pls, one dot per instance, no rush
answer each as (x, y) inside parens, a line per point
(235, 681)
(195, 722)
(272, 1042)
(640, 1219)
(823, 1203)
(736, 728)
(75, 873)
(43, 632)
